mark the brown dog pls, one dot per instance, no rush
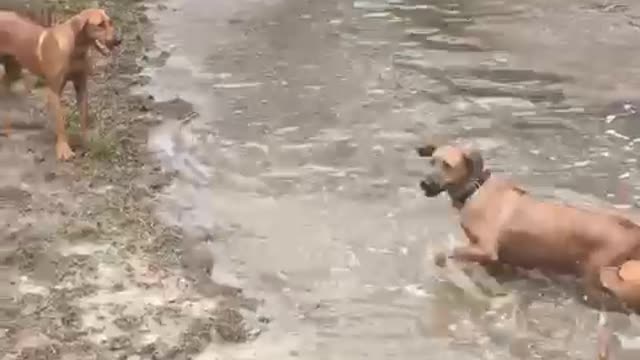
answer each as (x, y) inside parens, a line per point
(58, 54)
(505, 225)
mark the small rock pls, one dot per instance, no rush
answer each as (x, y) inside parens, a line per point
(230, 325)
(119, 342)
(128, 322)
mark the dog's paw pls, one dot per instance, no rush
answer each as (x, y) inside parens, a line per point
(63, 151)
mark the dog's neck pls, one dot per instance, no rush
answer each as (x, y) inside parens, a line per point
(460, 194)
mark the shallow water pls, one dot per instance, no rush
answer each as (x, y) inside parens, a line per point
(301, 160)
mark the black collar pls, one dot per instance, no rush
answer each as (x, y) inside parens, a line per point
(460, 195)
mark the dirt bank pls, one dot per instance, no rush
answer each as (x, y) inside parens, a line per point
(87, 272)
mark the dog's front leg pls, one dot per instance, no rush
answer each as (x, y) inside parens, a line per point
(628, 292)
(473, 253)
(82, 101)
(63, 151)
(596, 296)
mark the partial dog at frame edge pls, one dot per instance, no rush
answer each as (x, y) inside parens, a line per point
(58, 54)
(507, 226)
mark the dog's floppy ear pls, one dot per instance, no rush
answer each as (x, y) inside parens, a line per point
(90, 16)
(431, 143)
(474, 161)
(426, 150)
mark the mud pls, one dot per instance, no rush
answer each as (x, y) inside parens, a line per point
(87, 272)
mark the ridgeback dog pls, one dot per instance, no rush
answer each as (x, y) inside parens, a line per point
(507, 226)
(58, 54)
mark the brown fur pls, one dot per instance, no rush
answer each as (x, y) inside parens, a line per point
(58, 54)
(507, 226)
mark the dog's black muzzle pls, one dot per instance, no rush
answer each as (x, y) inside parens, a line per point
(432, 185)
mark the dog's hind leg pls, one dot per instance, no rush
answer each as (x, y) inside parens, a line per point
(12, 73)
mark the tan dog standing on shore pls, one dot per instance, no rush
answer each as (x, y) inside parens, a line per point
(58, 54)
(505, 225)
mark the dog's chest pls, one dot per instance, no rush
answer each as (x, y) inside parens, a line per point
(79, 62)
(485, 213)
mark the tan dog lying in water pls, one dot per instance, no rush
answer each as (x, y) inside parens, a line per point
(58, 54)
(507, 226)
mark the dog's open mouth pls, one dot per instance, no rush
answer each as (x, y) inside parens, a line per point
(102, 48)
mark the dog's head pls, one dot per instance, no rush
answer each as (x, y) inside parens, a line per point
(96, 27)
(450, 168)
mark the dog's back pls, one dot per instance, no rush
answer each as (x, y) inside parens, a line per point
(534, 233)
(18, 44)
(40, 12)
(18, 15)
(9, 23)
